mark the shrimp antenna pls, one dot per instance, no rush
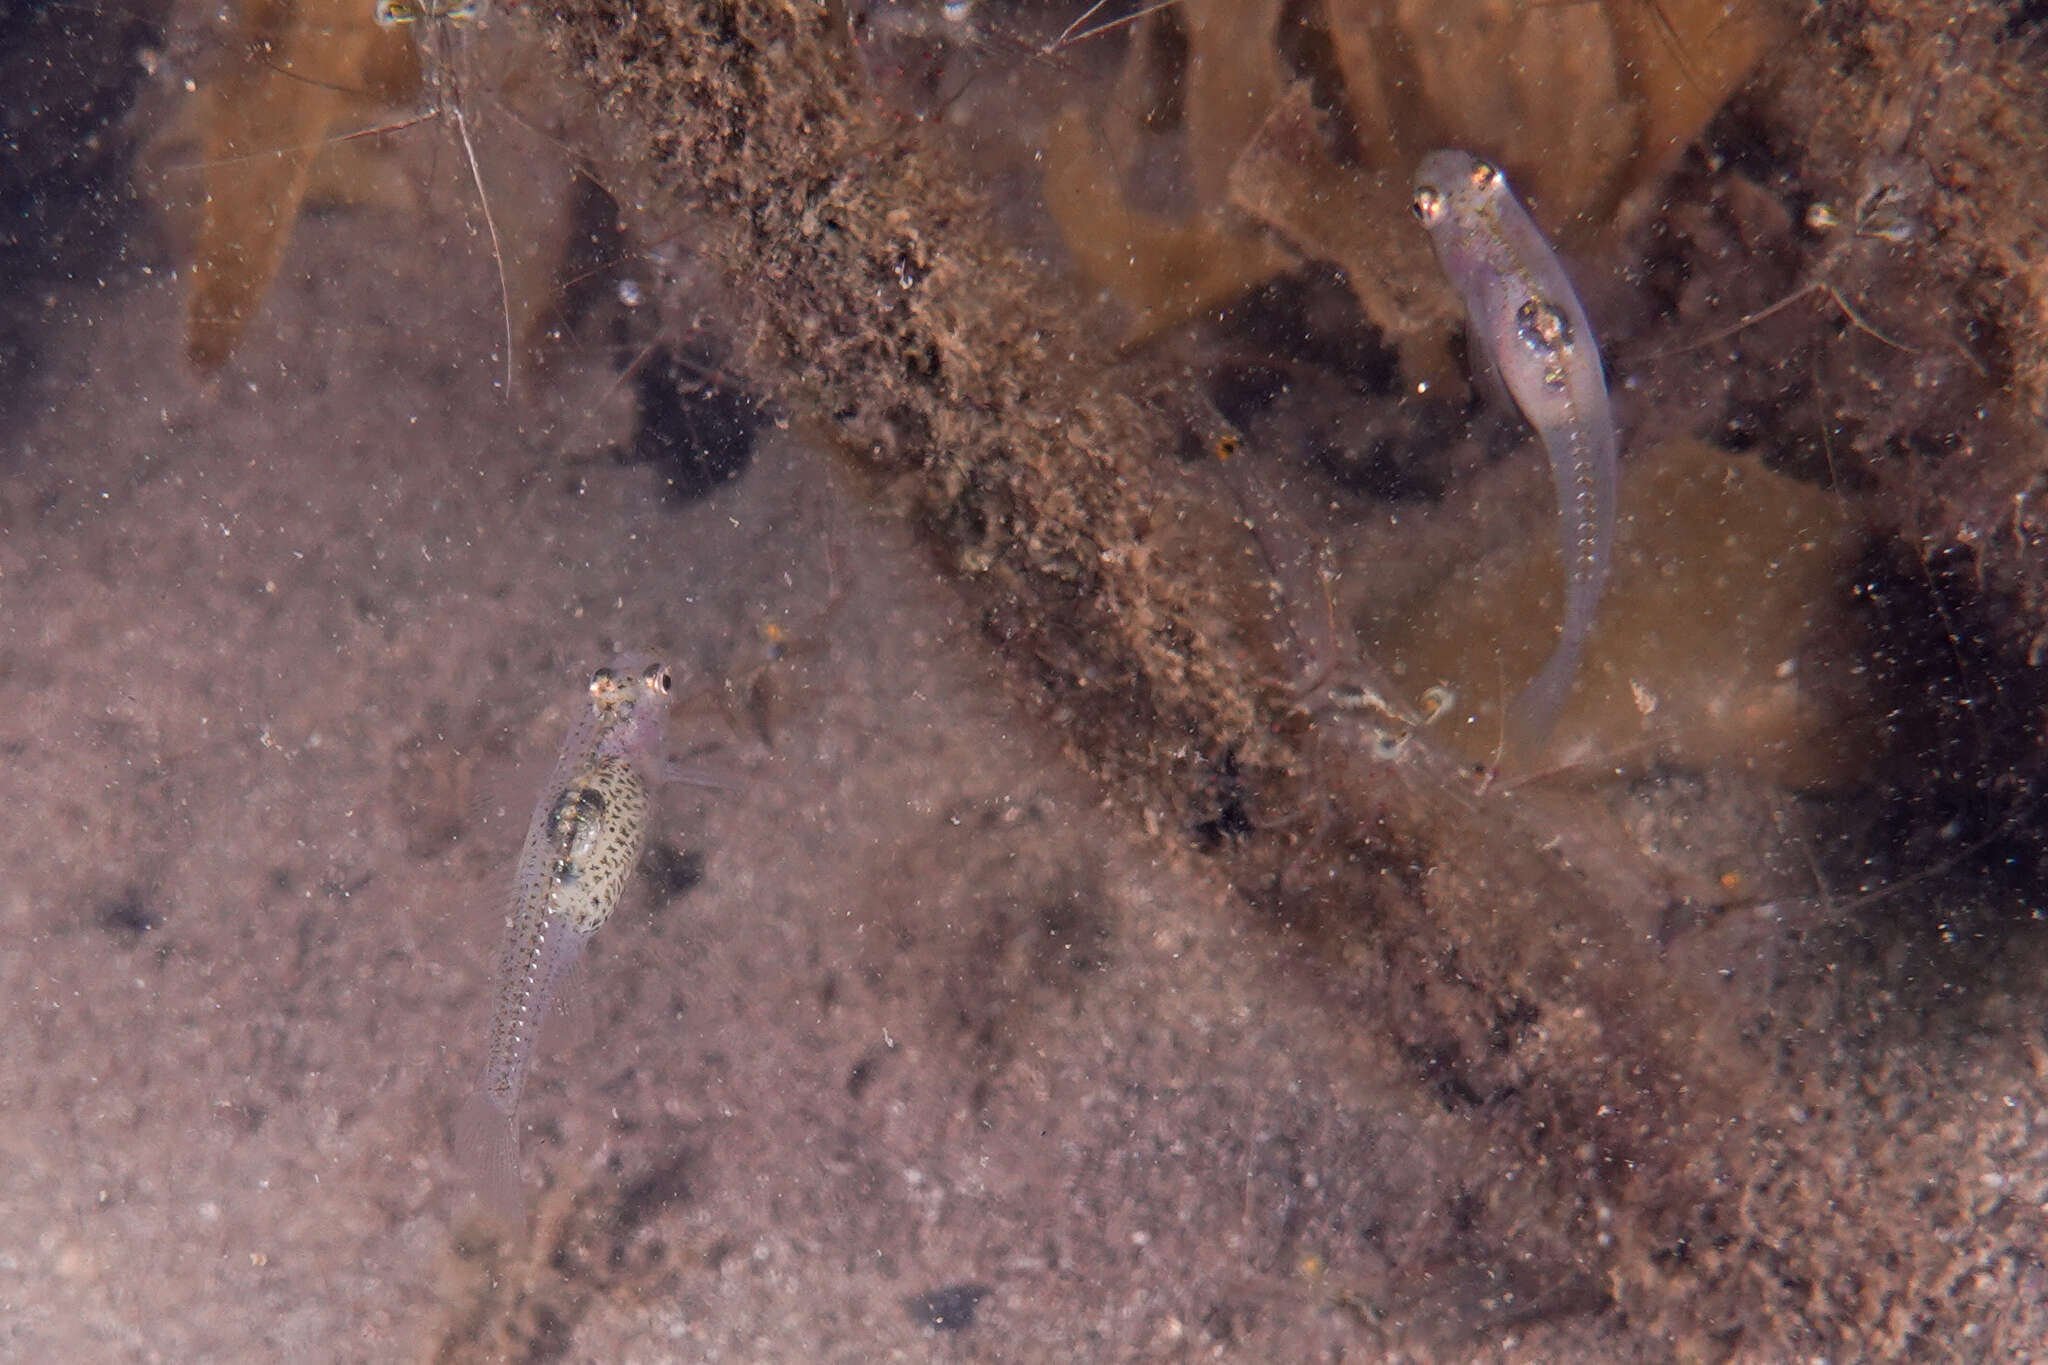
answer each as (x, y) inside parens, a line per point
(1081, 30)
(483, 199)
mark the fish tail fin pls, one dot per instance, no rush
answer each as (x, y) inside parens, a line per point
(487, 1144)
(1533, 715)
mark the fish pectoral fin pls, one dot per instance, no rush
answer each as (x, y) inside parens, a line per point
(674, 770)
(572, 1013)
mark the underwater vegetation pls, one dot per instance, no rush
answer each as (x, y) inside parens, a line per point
(1300, 126)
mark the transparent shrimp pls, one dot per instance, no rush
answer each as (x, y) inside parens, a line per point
(443, 30)
(580, 850)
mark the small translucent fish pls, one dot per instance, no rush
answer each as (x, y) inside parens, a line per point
(1527, 321)
(580, 850)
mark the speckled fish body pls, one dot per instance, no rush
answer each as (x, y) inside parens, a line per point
(1527, 321)
(581, 846)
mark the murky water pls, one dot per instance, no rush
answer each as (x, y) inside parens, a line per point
(974, 1015)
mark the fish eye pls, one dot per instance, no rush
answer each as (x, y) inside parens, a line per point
(391, 13)
(1429, 203)
(1483, 175)
(659, 679)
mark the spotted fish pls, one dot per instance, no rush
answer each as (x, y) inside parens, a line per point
(581, 846)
